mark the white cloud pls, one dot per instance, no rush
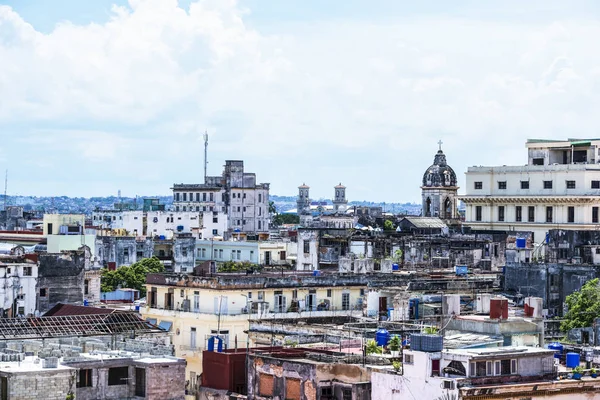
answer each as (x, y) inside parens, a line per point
(316, 101)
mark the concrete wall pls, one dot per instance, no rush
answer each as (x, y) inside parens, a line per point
(50, 385)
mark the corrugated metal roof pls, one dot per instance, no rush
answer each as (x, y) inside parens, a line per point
(426, 222)
(70, 309)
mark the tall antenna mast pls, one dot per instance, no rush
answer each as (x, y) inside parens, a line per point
(205, 154)
(5, 188)
(5, 200)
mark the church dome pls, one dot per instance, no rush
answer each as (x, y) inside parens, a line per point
(440, 174)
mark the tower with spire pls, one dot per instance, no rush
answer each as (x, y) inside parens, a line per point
(439, 189)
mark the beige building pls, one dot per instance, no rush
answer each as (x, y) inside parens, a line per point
(558, 188)
(194, 309)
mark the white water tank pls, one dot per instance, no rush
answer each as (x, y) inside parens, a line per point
(482, 303)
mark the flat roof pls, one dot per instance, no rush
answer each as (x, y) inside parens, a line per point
(505, 351)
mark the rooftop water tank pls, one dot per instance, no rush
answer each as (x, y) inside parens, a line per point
(382, 337)
(558, 349)
(573, 360)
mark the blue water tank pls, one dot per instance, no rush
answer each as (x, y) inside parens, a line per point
(382, 337)
(558, 349)
(162, 237)
(573, 360)
(521, 243)
(85, 302)
(395, 267)
(316, 272)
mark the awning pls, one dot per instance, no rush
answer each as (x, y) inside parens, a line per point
(581, 143)
(165, 325)
(151, 320)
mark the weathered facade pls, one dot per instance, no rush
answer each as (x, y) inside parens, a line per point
(61, 279)
(306, 375)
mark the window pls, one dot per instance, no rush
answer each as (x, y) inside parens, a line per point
(518, 213)
(239, 254)
(244, 209)
(328, 292)
(176, 196)
(86, 287)
(408, 359)
(548, 214)
(327, 392)
(345, 301)
(85, 378)
(502, 185)
(261, 295)
(220, 253)
(27, 271)
(531, 213)
(260, 197)
(524, 184)
(595, 184)
(185, 197)
(215, 220)
(478, 185)
(346, 394)
(477, 213)
(570, 184)
(571, 214)
(215, 231)
(118, 376)
(306, 247)
(249, 295)
(203, 196)
(538, 161)
(362, 292)
(43, 292)
(211, 196)
(595, 215)
(501, 213)
(265, 385)
(547, 184)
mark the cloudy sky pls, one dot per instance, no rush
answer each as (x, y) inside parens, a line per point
(97, 96)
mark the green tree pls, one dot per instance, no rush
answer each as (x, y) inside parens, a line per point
(583, 306)
(272, 208)
(388, 225)
(133, 277)
(281, 219)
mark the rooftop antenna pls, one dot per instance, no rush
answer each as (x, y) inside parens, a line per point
(205, 136)
(5, 199)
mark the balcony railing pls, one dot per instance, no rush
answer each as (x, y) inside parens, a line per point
(289, 310)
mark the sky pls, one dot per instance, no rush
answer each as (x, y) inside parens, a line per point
(105, 95)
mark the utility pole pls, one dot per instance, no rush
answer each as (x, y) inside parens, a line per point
(205, 154)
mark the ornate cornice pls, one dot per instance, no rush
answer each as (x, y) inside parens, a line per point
(530, 200)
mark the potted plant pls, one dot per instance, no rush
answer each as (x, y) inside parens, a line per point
(577, 372)
(394, 345)
(397, 365)
(593, 372)
(372, 347)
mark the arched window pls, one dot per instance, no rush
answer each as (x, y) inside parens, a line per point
(428, 207)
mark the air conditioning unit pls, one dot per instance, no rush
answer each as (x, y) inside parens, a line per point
(448, 385)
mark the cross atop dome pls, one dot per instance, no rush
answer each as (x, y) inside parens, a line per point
(440, 143)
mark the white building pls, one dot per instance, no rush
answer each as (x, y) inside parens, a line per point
(559, 188)
(203, 225)
(235, 193)
(18, 281)
(461, 373)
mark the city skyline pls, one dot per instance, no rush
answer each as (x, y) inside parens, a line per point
(109, 98)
